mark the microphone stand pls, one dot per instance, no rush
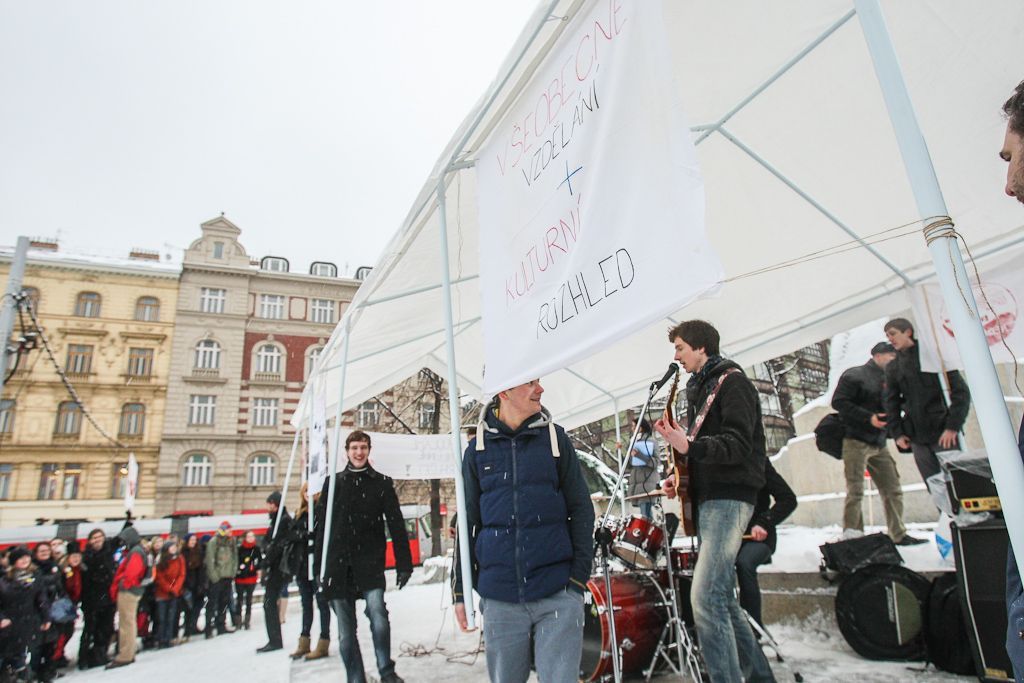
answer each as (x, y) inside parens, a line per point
(603, 540)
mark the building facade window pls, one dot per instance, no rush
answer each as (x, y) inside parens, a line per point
(775, 438)
(426, 414)
(87, 305)
(218, 250)
(274, 264)
(140, 362)
(211, 299)
(770, 404)
(323, 269)
(272, 306)
(6, 475)
(147, 309)
(262, 470)
(72, 481)
(133, 419)
(119, 480)
(264, 412)
(312, 356)
(761, 372)
(79, 360)
(31, 298)
(207, 355)
(48, 481)
(202, 410)
(369, 414)
(69, 419)
(196, 470)
(268, 360)
(6, 416)
(322, 311)
(813, 376)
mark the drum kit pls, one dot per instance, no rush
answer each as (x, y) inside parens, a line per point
(646, 586)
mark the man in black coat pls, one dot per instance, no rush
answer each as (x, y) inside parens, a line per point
(775, 502)
(915, 408)
(726, 449)
(276, 573)
(363, 502)
(858, 400)
(98, 569)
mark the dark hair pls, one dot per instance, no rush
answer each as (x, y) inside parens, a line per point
(698, 334)
(645, 426)
(95, 531)
(901, 324)
(358, 435)
(1013, 109)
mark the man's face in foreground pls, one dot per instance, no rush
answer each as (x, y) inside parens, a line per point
(358, 453)
(1013, 154)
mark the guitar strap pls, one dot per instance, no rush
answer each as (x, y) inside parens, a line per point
(698, 421)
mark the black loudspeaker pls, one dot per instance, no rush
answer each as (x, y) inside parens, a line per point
(980, 553)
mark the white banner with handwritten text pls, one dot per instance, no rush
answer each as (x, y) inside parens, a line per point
(591, 201)
(406, 456)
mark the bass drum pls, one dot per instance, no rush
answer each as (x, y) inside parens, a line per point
(640, 615)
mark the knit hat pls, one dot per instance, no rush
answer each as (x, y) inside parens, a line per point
(17, 552)
(225, 524)
(275, 498)
(882, 347)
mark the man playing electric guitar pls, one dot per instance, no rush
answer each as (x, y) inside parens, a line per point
(726, 449)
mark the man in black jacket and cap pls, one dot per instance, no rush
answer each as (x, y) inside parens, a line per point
(276, 573)
(364, 502)
(858, 400)
(98, 569)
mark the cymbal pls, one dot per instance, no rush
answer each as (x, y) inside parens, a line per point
(656, 493)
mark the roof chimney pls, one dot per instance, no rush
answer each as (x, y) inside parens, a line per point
(43, 243)
(144, 254)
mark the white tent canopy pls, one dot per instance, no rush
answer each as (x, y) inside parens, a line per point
(799, 158)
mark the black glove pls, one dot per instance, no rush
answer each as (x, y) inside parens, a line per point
(402, 578)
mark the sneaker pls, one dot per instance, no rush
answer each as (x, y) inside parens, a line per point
(392, 678)
(849, 534)
(911, 540)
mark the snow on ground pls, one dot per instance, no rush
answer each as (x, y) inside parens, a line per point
(429, 648)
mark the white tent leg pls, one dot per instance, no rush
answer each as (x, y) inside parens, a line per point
(287, 478)
(453, 410)
(993, 417)
(333, 455)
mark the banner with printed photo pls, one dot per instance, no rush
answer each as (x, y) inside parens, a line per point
(317, 472)
(591, 201)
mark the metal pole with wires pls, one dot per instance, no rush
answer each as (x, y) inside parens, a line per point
(9, 306)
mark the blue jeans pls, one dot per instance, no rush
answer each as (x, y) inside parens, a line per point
(556, 623)
(726, 640)
(166, 620)
(377, 612)
(307, 593)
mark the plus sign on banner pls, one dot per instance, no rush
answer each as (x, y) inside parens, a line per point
(591, 202)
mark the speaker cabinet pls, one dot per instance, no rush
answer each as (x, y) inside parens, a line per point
(980, 552)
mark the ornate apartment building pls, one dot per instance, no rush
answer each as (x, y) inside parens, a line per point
(108, 323)
(246, 336)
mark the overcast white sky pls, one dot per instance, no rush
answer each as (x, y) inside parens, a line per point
(312, 125)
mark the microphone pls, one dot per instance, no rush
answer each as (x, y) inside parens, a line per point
(673, 368)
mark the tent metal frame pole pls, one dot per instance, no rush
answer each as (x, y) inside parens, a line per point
(413, 292)
(464, 324)
(287, 480)
(329, 510)
(813, 202)
(453, 409)
(993, 416)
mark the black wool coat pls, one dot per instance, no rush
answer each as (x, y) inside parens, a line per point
(858, 396)
(364, 502)
(22, 600)
(914, 404)
(98, 569)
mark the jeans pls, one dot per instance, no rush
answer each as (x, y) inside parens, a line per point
(751, 556)
(377, 612)
(856, 456)
(556, 623)
(244, 604)
(218, 605)
(726, 640)
(307, 593)
(167, 620)
(271, 616)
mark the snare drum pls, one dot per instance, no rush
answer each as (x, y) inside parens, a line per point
(640, 615)
(639, 542)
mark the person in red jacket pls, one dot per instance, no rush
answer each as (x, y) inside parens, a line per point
(126, 590)
(169, 580)
(250, 557)
(71, 566)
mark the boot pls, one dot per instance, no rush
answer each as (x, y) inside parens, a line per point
(321, 650)
(302, 649)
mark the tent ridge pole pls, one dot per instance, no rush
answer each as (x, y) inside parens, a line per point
(993, 417)
(793, 61)
(453, 410)
(333, 456)
(815, 203)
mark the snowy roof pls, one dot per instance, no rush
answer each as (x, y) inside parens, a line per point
(170, 267)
